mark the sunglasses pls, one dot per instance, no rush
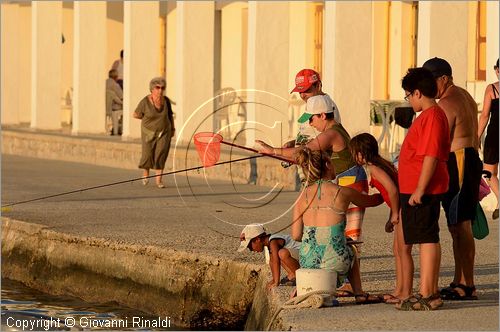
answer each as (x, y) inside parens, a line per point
(160, 87)
(311, 118)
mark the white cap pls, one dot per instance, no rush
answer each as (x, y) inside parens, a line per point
(250, 232)
(317, 105)
(336, 113)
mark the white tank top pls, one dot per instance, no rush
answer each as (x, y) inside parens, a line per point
(289, 242)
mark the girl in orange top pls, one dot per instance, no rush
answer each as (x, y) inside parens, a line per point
(384, 177)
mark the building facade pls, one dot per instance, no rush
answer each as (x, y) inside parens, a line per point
(230, 65)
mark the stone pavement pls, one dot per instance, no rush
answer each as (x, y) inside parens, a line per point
(199, 215)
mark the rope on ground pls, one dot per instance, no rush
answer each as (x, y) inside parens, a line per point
(314, 299)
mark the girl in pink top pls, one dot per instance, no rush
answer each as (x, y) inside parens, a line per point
(384, 177)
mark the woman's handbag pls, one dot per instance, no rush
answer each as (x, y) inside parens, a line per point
(484, 189)
(480, 224)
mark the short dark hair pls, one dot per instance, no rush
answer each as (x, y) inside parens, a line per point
(496, 66)
(330, 116)
(438, 67)
(260, 236)
(420, 79)
(112, 73)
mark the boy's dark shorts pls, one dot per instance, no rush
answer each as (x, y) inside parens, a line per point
(420, 222)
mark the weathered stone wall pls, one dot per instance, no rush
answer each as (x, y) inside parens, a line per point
(195, 291)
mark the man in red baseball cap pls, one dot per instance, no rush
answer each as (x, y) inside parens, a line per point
(308, 84)
(305, 79)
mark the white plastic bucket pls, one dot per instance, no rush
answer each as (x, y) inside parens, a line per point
(309, 280)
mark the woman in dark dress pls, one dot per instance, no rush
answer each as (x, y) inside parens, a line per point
(490, 150)
(157, 129)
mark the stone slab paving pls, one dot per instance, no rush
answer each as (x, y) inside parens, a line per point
(202, 216)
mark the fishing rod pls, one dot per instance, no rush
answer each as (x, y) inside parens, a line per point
(127, 181)
(256, 151)
(208, 148)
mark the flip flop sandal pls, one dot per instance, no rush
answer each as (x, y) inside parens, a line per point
(341, 292)
(344, 293)
(367, 299)
(456, 296)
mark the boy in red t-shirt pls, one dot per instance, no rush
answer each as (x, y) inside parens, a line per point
(423, 179)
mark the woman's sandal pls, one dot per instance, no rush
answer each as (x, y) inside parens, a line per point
(436, 297)
(366, 298)
(420, 303)
(454, 295)
(390, 299)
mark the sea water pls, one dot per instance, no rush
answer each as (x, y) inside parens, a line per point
(26, 309)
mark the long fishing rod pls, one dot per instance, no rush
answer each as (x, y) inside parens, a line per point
(127, 181)
(256, 151)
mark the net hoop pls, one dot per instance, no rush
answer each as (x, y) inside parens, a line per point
(208, 147)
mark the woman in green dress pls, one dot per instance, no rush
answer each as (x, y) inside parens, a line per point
(157, 129)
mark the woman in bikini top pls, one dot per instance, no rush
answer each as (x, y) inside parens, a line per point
(322, 202)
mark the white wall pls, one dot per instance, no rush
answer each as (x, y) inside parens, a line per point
(24, 26)
(89, 106)
(141, 60)
(9, 64)
(46, 55)
(352, 62)
(114, 26)
(492, 35)
(268, 66)
(443, 33)
(194, 66)
(232, 45)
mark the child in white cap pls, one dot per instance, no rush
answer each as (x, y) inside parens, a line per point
(283, 251)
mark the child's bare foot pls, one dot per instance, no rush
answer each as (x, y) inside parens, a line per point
(270, 285)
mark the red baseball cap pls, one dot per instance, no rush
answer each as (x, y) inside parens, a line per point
(304, 79)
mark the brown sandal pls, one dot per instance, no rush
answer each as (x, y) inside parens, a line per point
(366, 298)
(419, 303)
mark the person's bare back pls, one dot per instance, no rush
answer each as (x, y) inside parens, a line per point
(461, 111)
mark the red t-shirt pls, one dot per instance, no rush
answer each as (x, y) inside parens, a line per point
(429, 135)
